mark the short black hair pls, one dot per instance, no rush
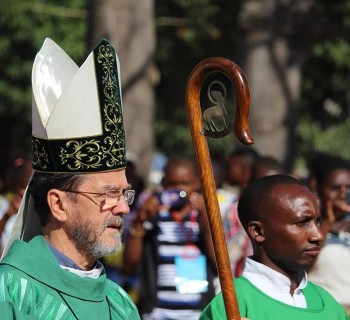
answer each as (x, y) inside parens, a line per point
(247, 152)
(40, 185)
(177, 161)
(266, 163)
(321, 165)
(254, 197)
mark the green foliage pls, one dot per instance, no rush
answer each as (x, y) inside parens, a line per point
(333, 140)
(325, 103)
(210, 28)
(24, 26)
(188, 31)
(336, 51)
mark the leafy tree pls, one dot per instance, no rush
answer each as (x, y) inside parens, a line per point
(317, 32)
(325, 102)
(24, 25)
(189, 31)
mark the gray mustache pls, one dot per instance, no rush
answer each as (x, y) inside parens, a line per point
(118, 220)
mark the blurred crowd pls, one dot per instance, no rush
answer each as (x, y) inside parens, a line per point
(167, 225)
(13, 184)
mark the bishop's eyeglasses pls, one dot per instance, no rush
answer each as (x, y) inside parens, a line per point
(111, 198)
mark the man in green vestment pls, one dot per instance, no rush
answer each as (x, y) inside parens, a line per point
(72, 212)
(281, 217)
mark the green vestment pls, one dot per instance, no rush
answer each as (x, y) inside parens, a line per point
(256, 305)
(34, 286)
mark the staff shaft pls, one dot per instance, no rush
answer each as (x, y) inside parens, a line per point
(203, 158)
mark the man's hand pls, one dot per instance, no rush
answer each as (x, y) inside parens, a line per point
(197, 202)
(148, 210)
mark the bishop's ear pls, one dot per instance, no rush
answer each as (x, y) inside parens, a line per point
(55, 200)
(256, 231)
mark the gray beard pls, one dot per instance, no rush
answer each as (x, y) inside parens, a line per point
(87, 237)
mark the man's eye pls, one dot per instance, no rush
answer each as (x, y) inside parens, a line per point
(303, 222)
(318, 222)
(113, 194)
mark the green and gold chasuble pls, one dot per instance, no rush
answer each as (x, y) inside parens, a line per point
(256, 305)
(34, 286)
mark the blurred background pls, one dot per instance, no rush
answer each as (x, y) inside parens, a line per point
(295, 54)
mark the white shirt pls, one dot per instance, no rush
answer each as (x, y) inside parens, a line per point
(94, 273)
(331, 270)
(275, 284)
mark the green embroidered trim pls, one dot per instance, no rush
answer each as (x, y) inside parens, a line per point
(32, 301)
(100, 153)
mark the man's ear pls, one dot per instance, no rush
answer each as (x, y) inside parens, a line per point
(55, 200)
(256, 231)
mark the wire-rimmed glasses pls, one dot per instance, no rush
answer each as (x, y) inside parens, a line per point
(111, 197)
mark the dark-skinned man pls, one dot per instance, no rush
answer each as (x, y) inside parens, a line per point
(281, 217)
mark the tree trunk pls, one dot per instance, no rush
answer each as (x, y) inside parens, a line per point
(274, 78)
(129, 26)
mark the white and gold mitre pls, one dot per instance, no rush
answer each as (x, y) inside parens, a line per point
(77, 112)
(77, 121)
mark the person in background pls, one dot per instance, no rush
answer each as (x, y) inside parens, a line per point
(231, 229)
(239, 169)
(238, 175)
(237, 241)
(266, 166)
(315, 164)
(331, 180)
(73, 210)
(17, 177)
(281, 216)
(225, 197)
(169, 239)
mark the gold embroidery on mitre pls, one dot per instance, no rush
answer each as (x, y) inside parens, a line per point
(40, 157)
(81, 155)
(110, 152)
(102, 152)
(114, 143)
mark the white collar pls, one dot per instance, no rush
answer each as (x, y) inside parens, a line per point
(275, 284)
(94, 273)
